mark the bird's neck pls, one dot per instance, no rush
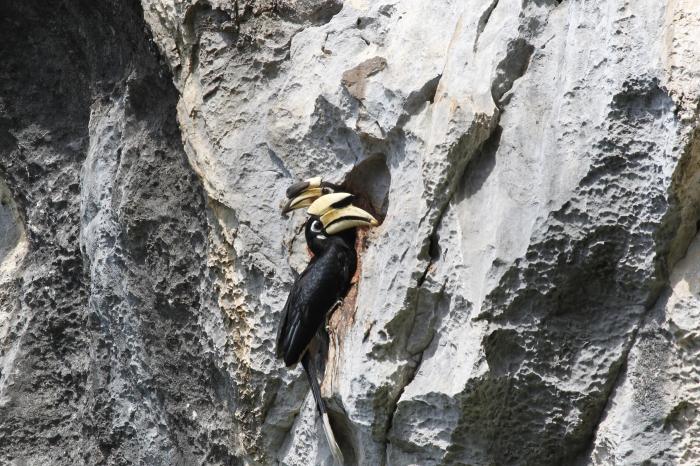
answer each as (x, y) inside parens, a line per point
(340, 247)
(318, 243)
(348, 237)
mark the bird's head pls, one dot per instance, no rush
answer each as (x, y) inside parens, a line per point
(304, 193)
(336, 213)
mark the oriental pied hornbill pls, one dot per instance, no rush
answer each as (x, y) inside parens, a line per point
(330, 235)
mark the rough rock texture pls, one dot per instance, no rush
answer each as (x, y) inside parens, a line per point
(527, 299)
(104, 352)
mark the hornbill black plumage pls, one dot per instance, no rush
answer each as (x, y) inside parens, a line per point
(330, 235)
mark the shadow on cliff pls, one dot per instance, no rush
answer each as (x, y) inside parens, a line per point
(110, 361)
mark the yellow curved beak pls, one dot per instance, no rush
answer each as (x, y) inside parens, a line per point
(340, 219)
(304, 193)
(304, 199)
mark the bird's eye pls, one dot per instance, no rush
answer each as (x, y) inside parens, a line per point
(316, 226)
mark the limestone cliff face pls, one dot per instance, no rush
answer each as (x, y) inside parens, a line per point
(532, 295)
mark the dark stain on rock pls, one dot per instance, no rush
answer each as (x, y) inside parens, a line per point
(355, 78)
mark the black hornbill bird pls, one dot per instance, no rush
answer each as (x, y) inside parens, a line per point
(330, 235)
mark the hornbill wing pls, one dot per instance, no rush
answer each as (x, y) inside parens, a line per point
(282, 330)
(313, 294)
(298, 327)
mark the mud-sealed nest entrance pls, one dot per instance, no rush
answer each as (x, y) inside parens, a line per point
(369, 181)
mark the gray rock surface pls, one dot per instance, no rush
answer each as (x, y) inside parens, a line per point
(527, 298)
(103, 354)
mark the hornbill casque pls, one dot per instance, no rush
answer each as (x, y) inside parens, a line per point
(330, 235)
(303, 193)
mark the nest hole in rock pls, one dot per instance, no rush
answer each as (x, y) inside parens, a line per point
(370, 181)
